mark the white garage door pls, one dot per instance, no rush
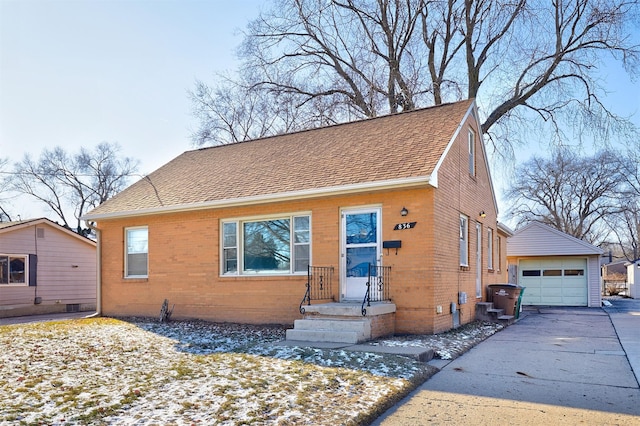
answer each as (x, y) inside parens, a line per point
(554, 281)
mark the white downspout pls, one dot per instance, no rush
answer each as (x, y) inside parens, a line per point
(98, 271)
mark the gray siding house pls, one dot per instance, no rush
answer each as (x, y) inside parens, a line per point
(45, 268)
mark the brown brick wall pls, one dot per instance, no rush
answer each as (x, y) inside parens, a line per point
(460, 193)
(383, 325)
(184, 255)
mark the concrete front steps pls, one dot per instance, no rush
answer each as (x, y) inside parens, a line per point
(340, 323)
(485, 311)
(330, 330)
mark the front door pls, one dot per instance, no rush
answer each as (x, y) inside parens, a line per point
(361, 247)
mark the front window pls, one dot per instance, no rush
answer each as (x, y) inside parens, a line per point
(137, 252)
(266, 246)
(13, 269)
(464, 240)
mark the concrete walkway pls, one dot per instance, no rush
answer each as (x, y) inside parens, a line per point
(625, 317)
(555, 366)
(45, 317)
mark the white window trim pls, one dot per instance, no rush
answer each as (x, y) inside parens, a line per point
(240, 241)
(126, 253)
(26, 270)
(464, 237)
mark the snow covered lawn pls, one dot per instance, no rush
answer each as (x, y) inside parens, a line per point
(108, 371)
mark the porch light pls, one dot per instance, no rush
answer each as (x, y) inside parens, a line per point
(482, 214)
(404, 211)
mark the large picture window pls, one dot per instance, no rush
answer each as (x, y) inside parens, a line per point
(266, 246)
(137, 252)
(13, 269)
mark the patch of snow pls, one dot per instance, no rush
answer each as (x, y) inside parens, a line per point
(140, 372)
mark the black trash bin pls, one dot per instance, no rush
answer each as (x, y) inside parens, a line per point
(507, 297)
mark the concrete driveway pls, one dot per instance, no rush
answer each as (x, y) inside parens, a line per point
(554, 366)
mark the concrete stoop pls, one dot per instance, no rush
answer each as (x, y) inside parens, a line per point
(337, 323)
(337, 330)
(485, 311)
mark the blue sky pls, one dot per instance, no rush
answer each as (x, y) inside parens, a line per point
(75, 73)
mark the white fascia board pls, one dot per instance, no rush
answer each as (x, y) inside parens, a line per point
(434, 176)
(473, 110)
(412, 182)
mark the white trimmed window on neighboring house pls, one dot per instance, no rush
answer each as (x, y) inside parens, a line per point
(464, 240)
(14, 269)
(136, 260)
(266, 246)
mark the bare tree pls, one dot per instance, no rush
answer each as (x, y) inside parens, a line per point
(4, 186)
(625, 226)
(530, 63)
(570, 193)
(336, 61)
(73, 183)
(234, 111)
(547, 63)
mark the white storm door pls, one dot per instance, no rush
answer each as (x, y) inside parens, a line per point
(478, 260)
(361, 247)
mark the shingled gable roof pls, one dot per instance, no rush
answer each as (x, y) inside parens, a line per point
(399, 150)
(6, 227)
(539, 239)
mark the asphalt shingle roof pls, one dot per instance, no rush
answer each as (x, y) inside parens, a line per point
(398, 146)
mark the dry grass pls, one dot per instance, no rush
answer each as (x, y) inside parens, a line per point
(107, 371)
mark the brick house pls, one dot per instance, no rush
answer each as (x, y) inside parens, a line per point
(227, 233)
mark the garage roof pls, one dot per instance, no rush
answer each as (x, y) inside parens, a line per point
(538, 239)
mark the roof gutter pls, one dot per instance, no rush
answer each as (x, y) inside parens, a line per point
(411, 182)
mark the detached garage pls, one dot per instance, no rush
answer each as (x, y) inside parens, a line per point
(556, 269)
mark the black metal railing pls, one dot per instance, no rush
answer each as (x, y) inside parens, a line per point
(319, 280)
(378, 285)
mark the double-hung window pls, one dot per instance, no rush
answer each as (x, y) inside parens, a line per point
(13, 269)
(499, 252)
(464, 240)
(490, 249)
(136, 262)
(278, 245)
